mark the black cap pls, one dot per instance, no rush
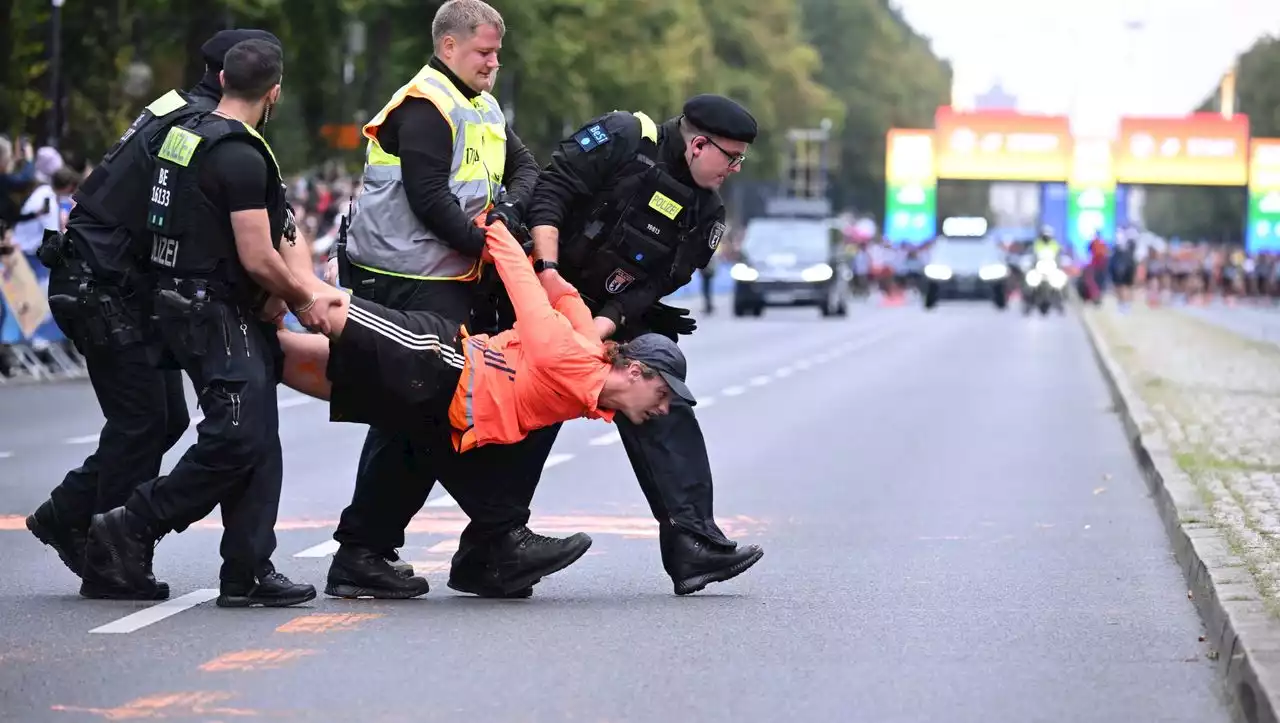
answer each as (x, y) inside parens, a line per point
(215, 49)
(663, 356)
(723, 117)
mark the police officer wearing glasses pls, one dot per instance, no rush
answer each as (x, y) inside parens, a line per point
(626, 211)
(100, 295)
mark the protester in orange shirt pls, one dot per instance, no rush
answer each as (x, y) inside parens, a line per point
(417, 371)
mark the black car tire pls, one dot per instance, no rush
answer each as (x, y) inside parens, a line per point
(930, 297)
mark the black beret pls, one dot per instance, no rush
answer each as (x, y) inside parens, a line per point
(718, 115)
(215, 49)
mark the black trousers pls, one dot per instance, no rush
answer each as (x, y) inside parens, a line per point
(234, 362)
(397, 470)
(145, 411)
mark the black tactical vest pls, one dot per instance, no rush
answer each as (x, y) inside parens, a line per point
(109, 220)
(634, 233)
(190, 236)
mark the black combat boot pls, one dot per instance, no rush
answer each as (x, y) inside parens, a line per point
(117, 560)
(67, 541)
(360, 572)
(518, 559)
(402, 568)
(693, 563)
(268, 589)
(473, 572)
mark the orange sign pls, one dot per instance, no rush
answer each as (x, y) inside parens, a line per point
(1002, 146)
(1201, 149)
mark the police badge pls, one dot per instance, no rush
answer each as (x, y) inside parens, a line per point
(618, 281)
(717, 231)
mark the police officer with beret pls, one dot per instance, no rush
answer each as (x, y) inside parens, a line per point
(626, 211)
(100, 295)
(217, 218)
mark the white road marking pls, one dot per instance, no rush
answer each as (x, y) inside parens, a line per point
(324, 549)
(6, 455)
(556, 459)
(803, 364)
(704, 403)
(605, 440)
(286, 403)
(443, 500)
(784, 372)
(156, 613)
(733, 391)
(759, 381)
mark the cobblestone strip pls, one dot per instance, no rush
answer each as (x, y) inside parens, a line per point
(1201, 406)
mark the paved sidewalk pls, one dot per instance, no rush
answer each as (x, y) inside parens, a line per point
(1202, 405)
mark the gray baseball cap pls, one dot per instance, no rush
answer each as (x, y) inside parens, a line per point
(663, 356)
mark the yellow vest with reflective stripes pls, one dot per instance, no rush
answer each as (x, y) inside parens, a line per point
(385, 235)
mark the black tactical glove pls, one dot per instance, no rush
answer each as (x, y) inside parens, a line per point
(509, 214)
(669, 320)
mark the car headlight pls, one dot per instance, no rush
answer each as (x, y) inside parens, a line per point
(817, 272)
(742, 272)
(1034, 278)
(1057, 278)
(991, 272)
(937, 272)
(1045, 266)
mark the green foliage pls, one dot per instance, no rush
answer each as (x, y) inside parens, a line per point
(852, 62)
(1219, 213)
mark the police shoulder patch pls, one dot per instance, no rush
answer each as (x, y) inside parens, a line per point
(717, 232)
(592, 137)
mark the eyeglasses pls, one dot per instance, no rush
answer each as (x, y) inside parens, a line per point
(735, 159)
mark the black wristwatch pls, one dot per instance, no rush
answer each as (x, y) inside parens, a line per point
(539, 266)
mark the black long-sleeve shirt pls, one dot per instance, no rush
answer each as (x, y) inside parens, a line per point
(420, 136)
(569, 186)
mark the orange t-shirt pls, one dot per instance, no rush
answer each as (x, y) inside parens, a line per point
(550, 368)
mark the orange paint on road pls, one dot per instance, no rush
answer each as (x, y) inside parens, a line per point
(9, 523)
(166, 705)
(325, 622)
(254, 660)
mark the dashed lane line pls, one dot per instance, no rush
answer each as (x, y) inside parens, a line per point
(324, 549)
(156, 613)
(605, 440)
(759, 381)
(556, 460)
(733, 391)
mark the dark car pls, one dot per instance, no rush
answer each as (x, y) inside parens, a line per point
(965, 268)
(791, 262)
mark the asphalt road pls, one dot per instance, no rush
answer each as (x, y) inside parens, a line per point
(953, 528)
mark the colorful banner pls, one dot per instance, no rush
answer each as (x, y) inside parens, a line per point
(1202, 149)
(1002, 146)
(1091, 194)
(1262, 232)
(911, 201)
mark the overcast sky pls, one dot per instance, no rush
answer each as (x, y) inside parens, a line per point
(1079, 57)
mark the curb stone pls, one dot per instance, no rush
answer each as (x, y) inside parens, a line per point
(1237, 623)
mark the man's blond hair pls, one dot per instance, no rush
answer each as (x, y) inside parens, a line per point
(461, 19)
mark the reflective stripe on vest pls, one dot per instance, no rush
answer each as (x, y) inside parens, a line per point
(385, 235)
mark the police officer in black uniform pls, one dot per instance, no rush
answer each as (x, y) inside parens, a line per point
(626, 212)
(100, 296)
(217, 215)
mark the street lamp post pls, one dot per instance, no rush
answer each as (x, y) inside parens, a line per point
(55, 72)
